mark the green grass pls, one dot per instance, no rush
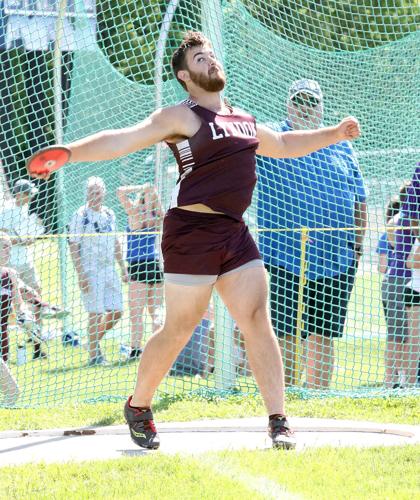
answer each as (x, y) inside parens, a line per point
(65, 384)
(149, 478)
(386, 410)
(325, 473)
(328, 473)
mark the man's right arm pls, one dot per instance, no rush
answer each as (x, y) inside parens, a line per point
(109, 144)
(75, 229)
(76, 257)
(77, 262)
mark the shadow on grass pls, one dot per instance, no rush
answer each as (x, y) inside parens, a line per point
(372, 384)
(109, 419)
(124, 364)
(66, 369)
(206, 394)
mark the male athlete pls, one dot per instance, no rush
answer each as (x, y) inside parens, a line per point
(205, 242)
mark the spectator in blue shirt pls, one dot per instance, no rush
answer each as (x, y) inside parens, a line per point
(322, 190)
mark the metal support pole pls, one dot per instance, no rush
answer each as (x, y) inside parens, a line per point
(296, 369)
(158, 77)
(58, 128)
(224, 348)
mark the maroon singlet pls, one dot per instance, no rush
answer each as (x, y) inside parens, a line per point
(6, 307)
(217, 165)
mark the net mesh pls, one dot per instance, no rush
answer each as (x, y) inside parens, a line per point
(113, 70)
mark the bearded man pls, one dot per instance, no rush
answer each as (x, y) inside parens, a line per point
(206, 243)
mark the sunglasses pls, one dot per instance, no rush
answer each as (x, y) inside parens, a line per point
(305, 100)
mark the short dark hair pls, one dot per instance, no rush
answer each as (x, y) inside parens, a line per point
(191, 39)
(394, 205)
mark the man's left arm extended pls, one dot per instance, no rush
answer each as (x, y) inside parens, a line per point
(298, 143)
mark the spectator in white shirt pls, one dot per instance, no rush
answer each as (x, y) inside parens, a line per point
(94, 260)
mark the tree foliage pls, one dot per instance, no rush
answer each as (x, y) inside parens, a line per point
(338, 24)
(129, 29)
(129, 32)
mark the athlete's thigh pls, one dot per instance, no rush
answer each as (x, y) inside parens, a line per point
(244, 292)
(186, 305)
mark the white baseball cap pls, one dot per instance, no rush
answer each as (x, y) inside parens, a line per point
(305, 86)
(25, 186)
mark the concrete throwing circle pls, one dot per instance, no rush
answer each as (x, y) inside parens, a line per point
(99, 443)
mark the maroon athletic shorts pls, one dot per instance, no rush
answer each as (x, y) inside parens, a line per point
(196, 243)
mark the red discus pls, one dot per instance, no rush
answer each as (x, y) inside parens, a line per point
(48, 160)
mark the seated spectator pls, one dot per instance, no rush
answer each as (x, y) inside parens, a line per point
(10, 297)
(241, 360)
(197, 357)
(23, 228)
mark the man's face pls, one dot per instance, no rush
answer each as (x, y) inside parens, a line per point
(95, 196)
(204, 69)
(22, 199)
(5, 248)
(305, 111)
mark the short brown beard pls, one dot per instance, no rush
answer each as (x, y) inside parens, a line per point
(213, 83)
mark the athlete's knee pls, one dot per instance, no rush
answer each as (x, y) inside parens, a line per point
(255, 313)
(178, 331)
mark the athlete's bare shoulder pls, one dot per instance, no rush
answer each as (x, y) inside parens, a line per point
(185, 122)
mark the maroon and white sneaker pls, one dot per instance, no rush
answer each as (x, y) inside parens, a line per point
(281, 434)
(142, 427)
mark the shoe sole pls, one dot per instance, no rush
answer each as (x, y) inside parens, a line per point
(133, 438)
(151, 447)
(284, 445)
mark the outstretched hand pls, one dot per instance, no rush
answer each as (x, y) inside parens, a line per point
(47, 160)
(348, 129)
(45, 176)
